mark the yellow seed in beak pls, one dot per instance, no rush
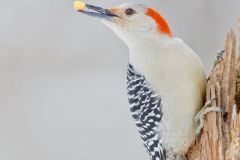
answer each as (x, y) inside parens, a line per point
(79, 6)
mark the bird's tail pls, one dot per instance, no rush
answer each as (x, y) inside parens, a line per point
(155, 151)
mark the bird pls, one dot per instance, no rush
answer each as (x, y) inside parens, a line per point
(166, 79)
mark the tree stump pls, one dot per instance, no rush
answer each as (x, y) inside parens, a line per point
(220, 137)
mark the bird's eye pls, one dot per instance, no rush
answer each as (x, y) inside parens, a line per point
(130, 12)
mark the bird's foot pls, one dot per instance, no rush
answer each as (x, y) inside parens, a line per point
(219, 57)
(201, 115)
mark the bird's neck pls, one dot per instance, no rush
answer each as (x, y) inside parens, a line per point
(147, 39)
(144, 50)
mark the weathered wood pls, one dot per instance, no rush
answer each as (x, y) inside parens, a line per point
(220, 137)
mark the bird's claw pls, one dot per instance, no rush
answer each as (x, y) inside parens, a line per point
(201, 114)
(219, 57)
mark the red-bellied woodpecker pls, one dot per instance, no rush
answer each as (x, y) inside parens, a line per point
(165, 80)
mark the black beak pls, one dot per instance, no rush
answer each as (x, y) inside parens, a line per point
(100, 12)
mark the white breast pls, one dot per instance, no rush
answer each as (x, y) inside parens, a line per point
(177, 75)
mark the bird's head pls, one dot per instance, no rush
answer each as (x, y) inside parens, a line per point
(130, 20)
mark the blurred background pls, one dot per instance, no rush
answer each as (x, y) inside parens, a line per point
(62, 76)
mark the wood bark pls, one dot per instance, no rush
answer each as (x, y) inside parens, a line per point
(220, 137)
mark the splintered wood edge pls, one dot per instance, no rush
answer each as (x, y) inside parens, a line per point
(237, 96)
(223, 83)
(233, 151)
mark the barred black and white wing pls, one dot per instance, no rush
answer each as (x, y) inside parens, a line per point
(146, 109)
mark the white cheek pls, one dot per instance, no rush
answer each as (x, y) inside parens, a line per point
(142, 24)
(148, 25)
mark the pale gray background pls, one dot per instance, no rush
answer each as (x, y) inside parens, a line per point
(62, 84)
